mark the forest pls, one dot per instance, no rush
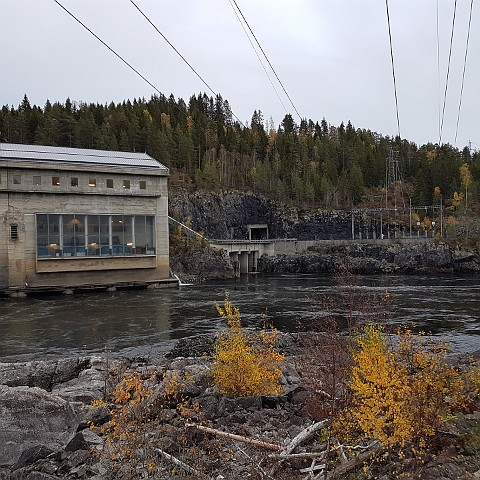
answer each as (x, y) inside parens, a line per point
(312, 163)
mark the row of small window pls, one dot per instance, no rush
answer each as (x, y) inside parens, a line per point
(74, 182)
(67, 235)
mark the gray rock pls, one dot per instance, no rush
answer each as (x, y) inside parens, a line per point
(31, 455)
(89, 384)
(31, 374)
(83, 440)
(31, 417)
(376, 259)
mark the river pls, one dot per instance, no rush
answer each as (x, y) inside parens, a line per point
(148, 322)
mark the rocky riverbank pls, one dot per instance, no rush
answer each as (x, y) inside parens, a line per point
(46, 409)
(368, 259)
(196, 264)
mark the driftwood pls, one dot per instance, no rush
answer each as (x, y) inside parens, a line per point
(238, 438)
(179, 463)
(304, 435)
(354, 462)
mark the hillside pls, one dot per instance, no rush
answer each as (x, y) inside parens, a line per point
(311, 164)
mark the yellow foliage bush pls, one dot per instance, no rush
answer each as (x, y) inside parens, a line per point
(124, 431)
(401, 396)
(245, 363)
(136, 423)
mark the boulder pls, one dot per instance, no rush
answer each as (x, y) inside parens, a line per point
(31, 417)
(42, 374)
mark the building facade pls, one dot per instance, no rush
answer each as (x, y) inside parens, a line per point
(77, 217)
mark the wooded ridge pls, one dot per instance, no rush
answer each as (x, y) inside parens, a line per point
(313, 163)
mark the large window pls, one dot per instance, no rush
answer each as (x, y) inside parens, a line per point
(72, 235)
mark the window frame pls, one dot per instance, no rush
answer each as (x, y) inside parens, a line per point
(70, 235)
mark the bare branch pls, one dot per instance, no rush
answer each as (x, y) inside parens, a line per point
(179, 463)
(262, 472)
(304, 435)
(294, 456)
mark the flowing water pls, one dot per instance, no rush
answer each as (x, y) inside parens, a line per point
(148, 322)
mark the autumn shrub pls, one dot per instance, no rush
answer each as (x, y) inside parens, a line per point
(125, 434)
(402, 395)
(245, 363)
(133, 434)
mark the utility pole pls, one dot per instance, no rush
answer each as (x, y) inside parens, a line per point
(392, 175)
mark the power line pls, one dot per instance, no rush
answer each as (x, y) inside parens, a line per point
(108, 46)
(448, 71)
(179, 54)
(176, 51)
(438, 74)
(258, 56)
(464, 68)
(125, 61)
(269, 63)
(393, 68)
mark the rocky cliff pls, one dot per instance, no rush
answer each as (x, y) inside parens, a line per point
(226, 215)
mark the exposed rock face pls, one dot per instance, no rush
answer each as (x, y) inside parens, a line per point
(30, 417)
(200, 264)
(42, 374)
(376, 259)
(226, 215)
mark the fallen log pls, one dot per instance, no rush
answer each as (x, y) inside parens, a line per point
(296, 456)
(238, 438)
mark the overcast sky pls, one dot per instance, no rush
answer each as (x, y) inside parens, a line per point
(332, 57)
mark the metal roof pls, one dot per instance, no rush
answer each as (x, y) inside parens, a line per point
(42, 153)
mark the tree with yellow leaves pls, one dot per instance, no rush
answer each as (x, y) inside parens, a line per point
(466, 179)
(245, 363)
(399, 394)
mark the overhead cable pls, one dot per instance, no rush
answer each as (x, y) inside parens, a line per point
(439, 101)
(258, 56)
(179, 54)
(464, 68)
(122, 59)
(108, 46)
(176, 51)
(448, 73)
(266, 58)
(393, 69)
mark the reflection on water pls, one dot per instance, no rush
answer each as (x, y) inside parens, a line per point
(147, 322)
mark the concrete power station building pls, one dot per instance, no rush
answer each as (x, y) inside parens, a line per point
(76, 218)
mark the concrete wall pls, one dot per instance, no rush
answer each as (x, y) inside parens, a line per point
(28, 177)
(20, 202)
